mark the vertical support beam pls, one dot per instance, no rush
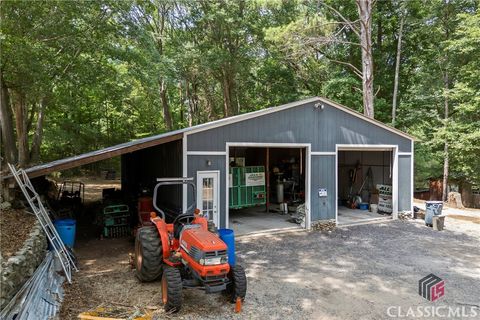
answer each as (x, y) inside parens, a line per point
(412, 166)
(185, 173)
(227, 185)
(308, 189)
(267, 178)
(395, 193)
(336, 184)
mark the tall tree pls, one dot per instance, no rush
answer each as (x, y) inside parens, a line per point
(464, 120)
(6, 122)
(365, 14)
(80, 76)
(402, 17)
(154, 16)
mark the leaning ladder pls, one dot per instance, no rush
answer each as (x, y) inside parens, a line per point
(42, 215)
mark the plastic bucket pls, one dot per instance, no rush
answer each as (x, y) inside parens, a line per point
(66, 231)
(363, 206)
(228, 237)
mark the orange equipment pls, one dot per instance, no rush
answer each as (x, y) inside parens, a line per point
(185, 254)
(145, 206)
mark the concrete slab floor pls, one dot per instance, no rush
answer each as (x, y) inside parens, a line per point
(347, 216)
(256, 219)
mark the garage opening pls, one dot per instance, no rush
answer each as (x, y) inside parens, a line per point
(108, 200)
(266, 188)
(365, 180)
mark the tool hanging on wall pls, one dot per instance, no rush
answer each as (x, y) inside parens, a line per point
(367, 183)
(352, 175)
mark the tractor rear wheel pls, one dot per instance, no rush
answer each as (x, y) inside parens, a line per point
(148, 254)
(237, 288)
(172, 289)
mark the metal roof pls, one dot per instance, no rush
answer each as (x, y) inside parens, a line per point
(151, 141)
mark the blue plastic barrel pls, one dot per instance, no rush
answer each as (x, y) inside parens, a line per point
(66, 230)
(228, 237)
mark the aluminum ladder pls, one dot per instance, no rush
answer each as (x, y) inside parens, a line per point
(36, 204)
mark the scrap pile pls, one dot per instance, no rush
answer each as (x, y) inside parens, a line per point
(299, 216)
(41, 296)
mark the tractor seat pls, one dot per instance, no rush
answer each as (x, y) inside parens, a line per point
(178, 228)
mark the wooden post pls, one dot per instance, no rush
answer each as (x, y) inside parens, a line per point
(267, 179)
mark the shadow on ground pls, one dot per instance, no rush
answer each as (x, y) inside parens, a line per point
(350, 273)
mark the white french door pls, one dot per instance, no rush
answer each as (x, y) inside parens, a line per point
(208, 194)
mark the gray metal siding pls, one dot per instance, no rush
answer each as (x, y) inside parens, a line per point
(323, 129)
(323, 176)
(404, 183)
(199, 163)
(302, 124)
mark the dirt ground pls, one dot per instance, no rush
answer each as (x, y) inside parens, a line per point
(350, 273)
(93, 186)
(15, 226)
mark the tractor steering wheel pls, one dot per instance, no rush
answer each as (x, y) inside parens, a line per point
(180, 221)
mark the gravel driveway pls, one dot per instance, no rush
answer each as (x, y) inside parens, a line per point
(350, 273)
(357, 273)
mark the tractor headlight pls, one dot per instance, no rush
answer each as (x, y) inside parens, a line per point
(213, 261)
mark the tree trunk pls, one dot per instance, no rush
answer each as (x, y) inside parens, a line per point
(238, 102)
(226, 97)
(365, 14)
(194, 99)
(397, 70)
(180, 94)
(38, 135)
(189, 99)
(167, 116)
(6, 121)
(208, 102)
(21, 126)
(445, 173)
(445, 148)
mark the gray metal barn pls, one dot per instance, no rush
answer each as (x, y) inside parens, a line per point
(328, 151)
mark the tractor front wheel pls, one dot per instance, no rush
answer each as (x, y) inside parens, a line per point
(172, 289)
(237, 288)
(148, 254)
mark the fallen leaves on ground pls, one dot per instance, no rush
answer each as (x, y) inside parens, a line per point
(15, 227)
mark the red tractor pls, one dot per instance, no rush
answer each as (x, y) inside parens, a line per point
(185, 254)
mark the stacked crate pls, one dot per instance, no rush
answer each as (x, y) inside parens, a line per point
(247, 187)
(116, 221)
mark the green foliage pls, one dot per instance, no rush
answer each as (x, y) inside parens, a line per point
(464, 129)
(99, 67)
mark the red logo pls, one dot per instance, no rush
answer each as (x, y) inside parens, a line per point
(431, 287)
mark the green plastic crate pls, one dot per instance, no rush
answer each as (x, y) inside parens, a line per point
(116, 221)
(243, 196)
